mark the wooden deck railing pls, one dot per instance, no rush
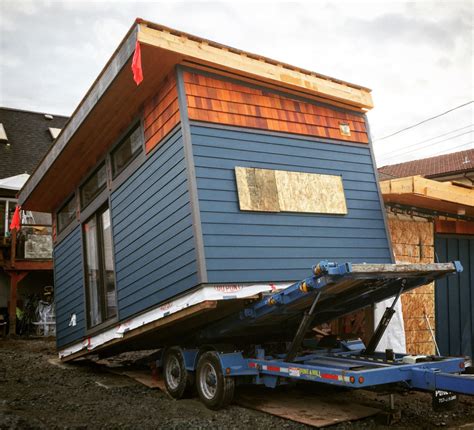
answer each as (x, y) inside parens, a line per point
(33, 242)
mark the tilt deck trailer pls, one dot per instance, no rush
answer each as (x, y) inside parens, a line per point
(265, 342)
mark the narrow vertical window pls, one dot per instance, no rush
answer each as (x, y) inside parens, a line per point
(109, 277)
(127, 150)
(99, 268)
(66, 214)
(93, 186)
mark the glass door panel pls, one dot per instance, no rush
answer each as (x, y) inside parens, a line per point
(109, 276)
(92, 272)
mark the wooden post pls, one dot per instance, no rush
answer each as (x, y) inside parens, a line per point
(13, 247)
(15, 278)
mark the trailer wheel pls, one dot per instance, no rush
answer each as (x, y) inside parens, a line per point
(179, 382)
(215, 390)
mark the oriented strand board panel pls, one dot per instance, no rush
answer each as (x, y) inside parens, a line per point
(161, 113)
(413, 242)
(257, 190)
(221, 101)
(263, 190)
(310, 192)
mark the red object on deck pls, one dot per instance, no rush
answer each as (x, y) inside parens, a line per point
(137, 65)
(16, 223)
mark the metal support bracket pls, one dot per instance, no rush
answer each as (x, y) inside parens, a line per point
(383, 324)
(302, 329)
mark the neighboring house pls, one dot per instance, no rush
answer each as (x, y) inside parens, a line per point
(25, 137)
(221, 170)
(430, 206)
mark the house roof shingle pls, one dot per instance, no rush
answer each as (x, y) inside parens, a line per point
(28, 138)
(455, 162)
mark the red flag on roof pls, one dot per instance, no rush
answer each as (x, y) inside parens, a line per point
(16, 224)
(137, 65)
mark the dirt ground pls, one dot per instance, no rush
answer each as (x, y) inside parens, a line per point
(35, 394)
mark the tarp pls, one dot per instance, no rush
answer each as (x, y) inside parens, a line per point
(394, 337)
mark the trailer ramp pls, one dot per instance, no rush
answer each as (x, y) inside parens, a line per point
(339, 290)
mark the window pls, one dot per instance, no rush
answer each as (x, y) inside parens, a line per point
(93, 186)
(99, 270)
(126, 150)
(66, 214)
(7, 208)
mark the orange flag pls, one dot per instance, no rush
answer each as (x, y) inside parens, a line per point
(137, 65)
(16, 224)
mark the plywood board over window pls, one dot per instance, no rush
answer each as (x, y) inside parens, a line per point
(263, 190)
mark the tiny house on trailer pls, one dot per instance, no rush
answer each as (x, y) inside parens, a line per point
(221, 174)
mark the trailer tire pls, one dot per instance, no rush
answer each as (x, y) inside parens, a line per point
(215, 389)
(179, 381)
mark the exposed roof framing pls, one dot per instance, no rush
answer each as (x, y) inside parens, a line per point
(207, 52)
(416, 191)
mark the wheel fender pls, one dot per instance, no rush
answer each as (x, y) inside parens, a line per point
(234, 364)
(190, 359)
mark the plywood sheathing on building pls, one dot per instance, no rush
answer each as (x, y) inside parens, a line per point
(420, 192)
(220, 101)
(413, 242)
(195, 50)
(265, 190)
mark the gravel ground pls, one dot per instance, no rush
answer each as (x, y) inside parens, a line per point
(36, 394)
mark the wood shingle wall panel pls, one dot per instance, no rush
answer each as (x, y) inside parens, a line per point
(161, 113)
(214, 100)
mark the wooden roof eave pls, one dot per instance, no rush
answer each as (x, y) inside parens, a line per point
(416, 191)
(101, 84)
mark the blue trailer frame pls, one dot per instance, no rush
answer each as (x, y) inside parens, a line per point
(350, 364)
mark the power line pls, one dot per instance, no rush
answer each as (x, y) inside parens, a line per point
(447, 149)
(425, 120)
(430, 139)
(432, 144)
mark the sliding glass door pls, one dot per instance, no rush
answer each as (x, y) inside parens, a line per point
(99, 268)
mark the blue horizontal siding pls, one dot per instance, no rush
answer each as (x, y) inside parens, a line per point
(257, 247)
(155, 257)
(69, 288)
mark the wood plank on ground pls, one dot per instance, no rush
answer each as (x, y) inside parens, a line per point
(317, 410)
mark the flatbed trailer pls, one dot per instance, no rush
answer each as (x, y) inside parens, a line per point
(266, 343)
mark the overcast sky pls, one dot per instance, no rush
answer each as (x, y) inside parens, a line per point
(417, 57)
